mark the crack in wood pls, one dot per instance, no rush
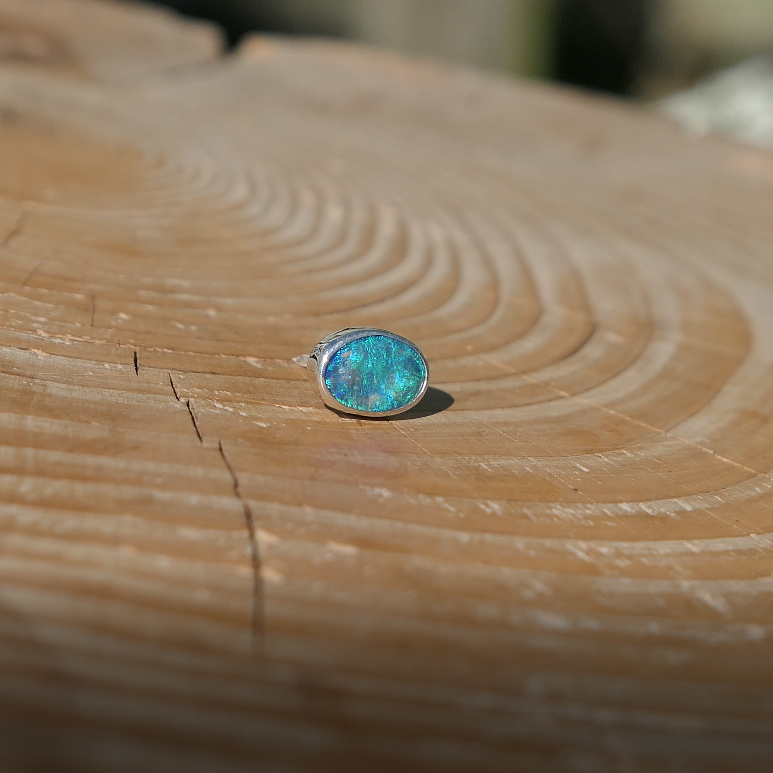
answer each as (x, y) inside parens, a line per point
(187, 405)
(14, 232)
(258, 626)
(136, 364)
(32, 273)
(193, 419)
(257, 623)
(174, 388)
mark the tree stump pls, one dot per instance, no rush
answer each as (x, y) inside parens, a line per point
(560, 561)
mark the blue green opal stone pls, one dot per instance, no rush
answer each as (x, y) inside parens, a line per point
(375, 373)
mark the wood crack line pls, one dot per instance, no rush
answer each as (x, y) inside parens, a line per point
(32, 273)
(15, 231)
(193, 419)
(180, 400)
(257, 638)
(258, 612)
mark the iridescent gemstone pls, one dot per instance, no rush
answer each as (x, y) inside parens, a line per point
(376, 373)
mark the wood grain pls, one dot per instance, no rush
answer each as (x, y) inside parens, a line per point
(561, 561)
(115, 43)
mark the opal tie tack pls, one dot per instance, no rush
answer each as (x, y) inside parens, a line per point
(368, 372)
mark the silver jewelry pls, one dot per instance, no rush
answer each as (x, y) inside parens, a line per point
(366, 371)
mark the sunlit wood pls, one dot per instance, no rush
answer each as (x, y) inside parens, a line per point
(561, 561)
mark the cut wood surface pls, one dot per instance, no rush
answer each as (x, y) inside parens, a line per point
(114, 43)
(560, 561)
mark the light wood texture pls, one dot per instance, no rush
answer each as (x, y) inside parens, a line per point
(115, 43)
(203, 569)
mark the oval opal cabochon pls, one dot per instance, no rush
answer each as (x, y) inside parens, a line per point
(375, 373)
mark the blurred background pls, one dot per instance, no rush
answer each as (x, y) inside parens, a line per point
(642, 49)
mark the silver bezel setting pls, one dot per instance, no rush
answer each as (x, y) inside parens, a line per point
(330, 344)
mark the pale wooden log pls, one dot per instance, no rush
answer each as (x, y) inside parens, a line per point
(111, 42)
(203, 569)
